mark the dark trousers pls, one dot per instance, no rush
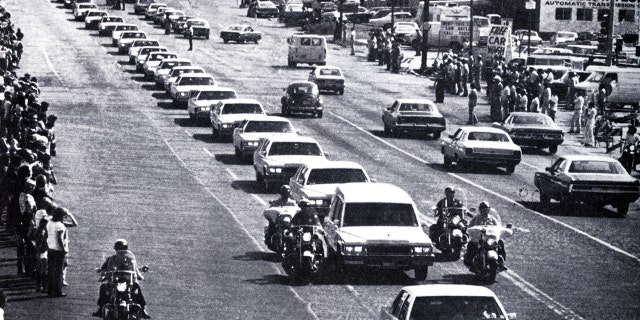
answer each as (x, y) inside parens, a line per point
(54, 271)
(190, 42)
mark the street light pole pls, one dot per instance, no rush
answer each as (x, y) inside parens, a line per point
(609, 59)
(471, 28)
(425, 36)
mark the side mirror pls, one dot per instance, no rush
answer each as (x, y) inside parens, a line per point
(336, 222)
(549, 169)
(511, 316)
(144, 269)
(451, 136)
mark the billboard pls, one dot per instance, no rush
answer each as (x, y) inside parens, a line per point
(499, 41)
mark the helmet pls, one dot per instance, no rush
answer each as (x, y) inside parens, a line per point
(285, 189)
(449, 189)
(121, 244)
(484, 205)
(303, 203)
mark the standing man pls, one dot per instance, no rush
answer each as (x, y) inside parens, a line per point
(477, 72)
(353, 40)
(473, 101)
(58, 244)
(122, 3)
(190, 35)
(464, 77)
(576, 120)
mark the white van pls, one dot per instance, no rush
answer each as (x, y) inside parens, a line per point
(624, 85)
(310, 49)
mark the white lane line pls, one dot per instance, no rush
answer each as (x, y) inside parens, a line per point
(233, 175)
(242, 226)
(531, 166)
(505, 198)
(188, 133)
(208, 152)
(46, 57)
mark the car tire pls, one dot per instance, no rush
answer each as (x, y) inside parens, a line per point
(436, 135)
(421, 273)
(216, 134)
(206, 37)
(319, 114)
(510, 169)
(256, 41)
(225, 40)
(238, 153)
(553, 149)
(545, 201)
(341, 91)
(387, 130)
(447, 162)
(623, 209)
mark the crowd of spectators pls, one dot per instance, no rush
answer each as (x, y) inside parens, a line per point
(27, 144)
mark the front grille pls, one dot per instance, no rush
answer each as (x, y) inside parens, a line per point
(389, 249)
(492, 151)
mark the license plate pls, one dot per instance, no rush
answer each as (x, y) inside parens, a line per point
(388, 264)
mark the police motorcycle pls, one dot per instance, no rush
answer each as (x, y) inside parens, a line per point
(629, 158)
(454, 227)
(487, 240)
(120, 284)
(304, 248)
(279, 216)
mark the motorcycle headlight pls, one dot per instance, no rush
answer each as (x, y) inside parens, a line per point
(455, 220)
(286, 219)
(121, 286)
(306, 236)
(632, 148)
(491, 242)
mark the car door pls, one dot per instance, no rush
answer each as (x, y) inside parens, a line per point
(297, 182)
(388, 115)
(454, 143)
(553, 181)
(333, 222)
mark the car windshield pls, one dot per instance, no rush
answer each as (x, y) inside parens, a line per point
(596, 166)
(268, 126)
(488, 136)
(241, 108)
(595, 77)
(304, 89)
(415, 107)
(235, 28)
(454, 307)
(329, 72)
(133, 35)
(530, 120)
(197, 81)
(295, 149)
(178, 72)
(112, 19)
(336, 175)
(216, 95)
(197, 23)
(171, 64)
(379, 214)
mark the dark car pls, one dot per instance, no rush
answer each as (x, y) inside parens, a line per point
(141, 6)
(596, 180)
(240, 34)
(414, 115)
(533, 129)
(304, 97)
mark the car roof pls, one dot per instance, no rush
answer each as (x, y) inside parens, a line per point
(239, 100)
(572, 157)
(187, 67)
(196, 19)
(334, 164)
(417, 100)
(482, 129)
(196, 75)
(215, 88)
(176, 59)
(438, 290)
(297, 83)
(373, 192)
(291, 138)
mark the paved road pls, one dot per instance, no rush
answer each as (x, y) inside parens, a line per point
(132, 166)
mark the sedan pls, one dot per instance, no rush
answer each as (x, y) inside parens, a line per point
(240, 34)
(416, 115)
(93, 18)
(200, 28)
(535, 40)
(328, 78)
(302, 96)
(385, 21)
(247, 135)
(596, 180)
(533, 129)
(481, 145)
(186, 84)
(199, 105)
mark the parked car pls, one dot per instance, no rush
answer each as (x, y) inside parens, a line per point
(200, 28)
(93, 18)
(157, 16)
(377, 225)
(562, 37)
(120, 28)
(143, 53)
(151, 9)
(165, 67)
(247, 135)
(186, 84)
(414, 115)
(169, 78)
(317, 182)
(304, 97)
(263, 8)
(328, 78)
(80, 10)
(523, 34)
(240, 34)
(107, 24)
(278, 158)
(293, 13)
(385, 21)
(153, 60)
(179, 25)
(590, 179)
(200, 104)
(127, 37)
(136, 45)
(481, 145)
(141, 6)
(532, 129)
(406, 32)
(228, 114)
(445, 301)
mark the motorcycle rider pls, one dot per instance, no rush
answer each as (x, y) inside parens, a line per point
(632, 138)
(124, 259)
(284, 201)
(449, 201)
(485, 218)
(307, 215)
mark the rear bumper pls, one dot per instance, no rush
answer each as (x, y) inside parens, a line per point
(413, 127)
(496, 161)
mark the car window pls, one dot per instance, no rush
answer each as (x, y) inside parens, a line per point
(329, 72)
(295, 148)
(531, 120)
(398, 302)
(595, 166)
(236, 108)
(305, 41)
(268, 126)
(336, 175)
(302, 89)
(456, 307)
(336, 210)
(379, 214)
(316, 42)
(235, 28)
(197, 81)
(415, 107)
(404, 310)
(488, 136)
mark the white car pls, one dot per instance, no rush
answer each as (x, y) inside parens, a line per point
(175, 72)
(107, 24)
(563, 37)
(328, 78)
(278, 158)
(227, 114)
(523, 36)
(186, 84)
(165, 67)
(201, 101)
(119, 29)
(143, 53)
(151, 10)
(127, 37)
(136, 45)
(385, 21)
(93, 18)
(153, 60)
(445, 301)
(406, 31)
(247, 135)
(81, 9)
(317, 182)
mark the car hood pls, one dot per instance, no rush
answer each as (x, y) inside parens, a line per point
(239, 117)
(256, 136)
(491, 145)
(289, 159)
(363, 235)
(190, 88)
(595, 177)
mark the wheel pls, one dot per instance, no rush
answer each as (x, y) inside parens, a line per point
(256, 41)
(387, 130)
(553, 149)
(206, 37)
(216, 134)
(436, 135)
(241, 40)
(447, 162)
(545, 201)
(319, 114)
(420, 274)
(292, 64)
(511, 169)
(225, 40)
(623, 209)
(491, 272)
(238, 154)
(341, 91)
(192, 116)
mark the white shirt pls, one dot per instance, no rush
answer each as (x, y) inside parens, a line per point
(53, 228)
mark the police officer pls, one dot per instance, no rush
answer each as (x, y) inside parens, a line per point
(449, 201)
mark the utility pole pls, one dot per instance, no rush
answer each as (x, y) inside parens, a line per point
(471, 29)
(609, 42)
(425, 36)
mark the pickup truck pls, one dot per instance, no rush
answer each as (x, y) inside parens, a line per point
(377, 225)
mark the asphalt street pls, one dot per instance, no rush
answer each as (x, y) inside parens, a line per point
(131, 166)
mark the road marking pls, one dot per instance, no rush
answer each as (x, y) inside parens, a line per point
(531, 166)
(231, 174)
(242, 226)
(46, 57)
(505, 198)
(188, 133)
(208, 152)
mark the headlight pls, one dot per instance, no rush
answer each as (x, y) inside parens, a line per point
(250, 143)
(101, 28)
(226, 125)
(183, 94)
(353, 249)
(275, 170)
(422, 249)
(122, 45)
(317, 202)
(286, 219)
(455, 220)
(306, 236)
(491, 242)
(203, 109)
